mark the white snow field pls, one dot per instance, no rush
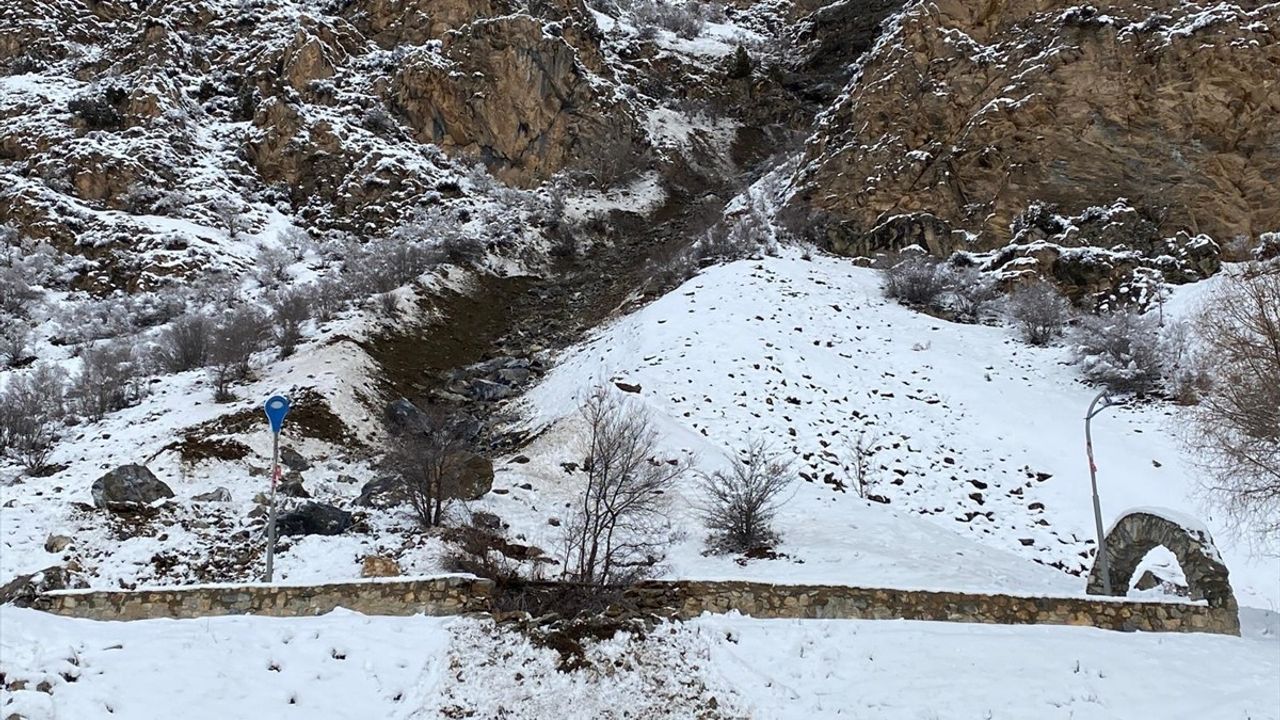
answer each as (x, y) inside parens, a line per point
(345, 666)
(981, 436)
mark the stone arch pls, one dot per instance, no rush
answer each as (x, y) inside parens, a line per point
(1137, 532)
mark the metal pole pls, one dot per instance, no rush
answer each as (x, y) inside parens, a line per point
(1093, 480)
(271, 520)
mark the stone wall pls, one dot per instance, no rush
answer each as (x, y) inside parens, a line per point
(429, 596)
(685, 599)
(763, 600)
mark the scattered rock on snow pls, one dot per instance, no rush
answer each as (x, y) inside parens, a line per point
(56, 543)
(220, 494)
(128, 485)
(24, 589)
(293, 460)
(379, 566)
(314, 519)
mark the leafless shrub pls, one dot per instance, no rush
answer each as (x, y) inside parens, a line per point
(973, 295)
(426, 460)
(918, 281)
(1039, 311)
(326, 298)
(236, 337)
(619, 530)
(388, 304)
(31, 406)
(271, 265)
(112, 376)
(297, 242)
(14, 336)
(290, 310)
(230, 215)
(862, 449)
(681, 19)
(741, 503)
(184, 345)
(1182, 363)
(1235, 429)
(15, 293)
(1120, 350)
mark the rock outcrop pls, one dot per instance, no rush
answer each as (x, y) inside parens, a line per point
(967, 113)
(128, 485)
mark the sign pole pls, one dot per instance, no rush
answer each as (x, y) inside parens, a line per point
(1093, 480)
(271, 521)
(277, 407)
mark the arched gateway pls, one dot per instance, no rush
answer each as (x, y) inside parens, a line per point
(1137, 532)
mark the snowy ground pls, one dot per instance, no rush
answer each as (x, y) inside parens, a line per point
(979, 449)
(980, 436)
(345, 666)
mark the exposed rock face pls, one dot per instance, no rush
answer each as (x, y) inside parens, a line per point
(128, 485)
(969, 112)
(515, 96)
(474, 477)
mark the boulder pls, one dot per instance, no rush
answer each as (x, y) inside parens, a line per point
(26, 589)
(379, 566)
(220, 494)
(129, 485)
(293, 460)
(291, 486)
(314, 519)
(381, 492)
(474, 477)
(56, 543)
(403, 415)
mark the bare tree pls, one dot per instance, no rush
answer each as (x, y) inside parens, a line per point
(1235, 429)
(290, 309)
(229, 214)
(14, 336)
(237, 336)
(111, 377)
(619, 529)
(1039, 311)
(184, 345)
(862, 449)
(425, 459)
(31, 406)
(741, 503)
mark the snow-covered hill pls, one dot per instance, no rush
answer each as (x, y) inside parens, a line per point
(980, 468)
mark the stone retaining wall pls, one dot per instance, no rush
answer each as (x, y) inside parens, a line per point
(429, 596)
(458, 594)
(765, 600)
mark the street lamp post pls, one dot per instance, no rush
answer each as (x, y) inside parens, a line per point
(276, 407)
(1093, 480)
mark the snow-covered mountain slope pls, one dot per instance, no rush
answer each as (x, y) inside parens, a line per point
(342, 666)
(980, 466)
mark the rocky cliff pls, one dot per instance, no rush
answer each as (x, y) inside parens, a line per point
(967, 113)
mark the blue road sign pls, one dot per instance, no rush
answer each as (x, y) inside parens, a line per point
(277, 407)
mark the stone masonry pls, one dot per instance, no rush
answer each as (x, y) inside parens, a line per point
(451, 595)
(683, 599)
(692, 598)
(1137, 533)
